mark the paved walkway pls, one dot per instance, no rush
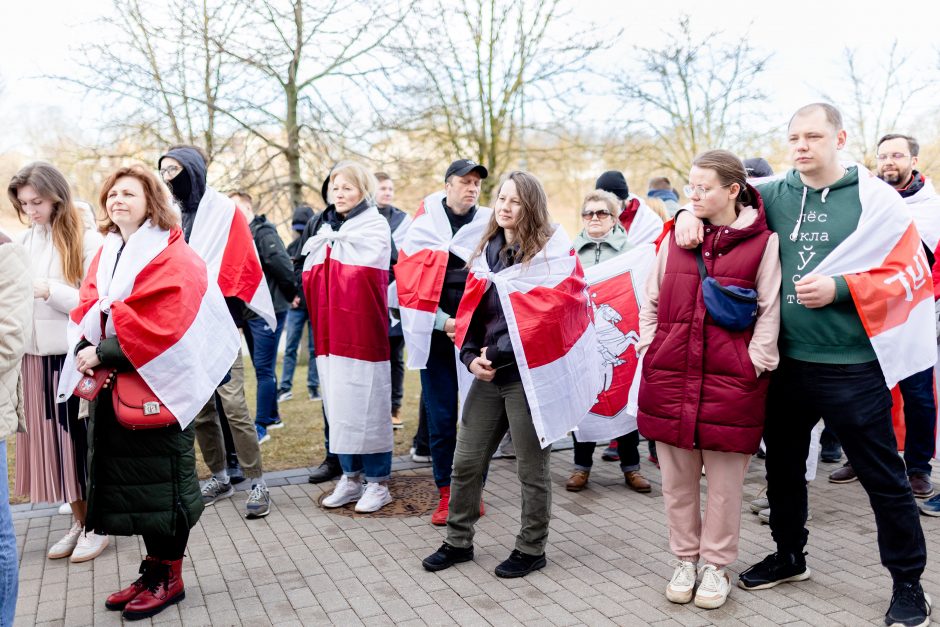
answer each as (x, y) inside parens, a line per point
(608, 563)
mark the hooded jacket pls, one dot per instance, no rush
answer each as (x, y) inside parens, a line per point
(811, 223)
(276, 264)
(702, 385)
(16, 308)
(188, 186)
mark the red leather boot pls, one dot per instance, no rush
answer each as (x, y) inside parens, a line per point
(164, 588)
(439, 517)
(119, 599)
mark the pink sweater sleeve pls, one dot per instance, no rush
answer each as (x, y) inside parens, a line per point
(763, 347)
(650, 309)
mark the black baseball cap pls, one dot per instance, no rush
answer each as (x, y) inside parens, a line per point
(462, 167)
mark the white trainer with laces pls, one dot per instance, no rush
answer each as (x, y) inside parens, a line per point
(65, 546)
(713, 591)
(375, 498)
(89, 546)
(347, 490)
(682, 583)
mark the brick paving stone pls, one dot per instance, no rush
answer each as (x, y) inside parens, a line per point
(608, 562)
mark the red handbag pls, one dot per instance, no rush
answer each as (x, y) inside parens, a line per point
(135, 404)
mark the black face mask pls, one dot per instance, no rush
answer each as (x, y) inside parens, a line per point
(182, 189)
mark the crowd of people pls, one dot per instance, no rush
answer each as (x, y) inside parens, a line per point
(717, 330)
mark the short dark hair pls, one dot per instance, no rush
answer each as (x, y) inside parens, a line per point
(243, 195)
(832, 114)
(382, 176)
(660, 182)
(912, 144)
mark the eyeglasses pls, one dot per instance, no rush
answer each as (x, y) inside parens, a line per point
(700, 190)
(894, 156)
(170, 171)
(590, 215)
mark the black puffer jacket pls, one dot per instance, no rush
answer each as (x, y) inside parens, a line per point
(488, 326)
(275, 262)
(139, 482)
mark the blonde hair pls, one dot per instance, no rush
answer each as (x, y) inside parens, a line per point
(614, 206)
(359, 176)
(659, 208)
(68, 228)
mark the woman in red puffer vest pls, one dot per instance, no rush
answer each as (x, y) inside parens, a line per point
(703, 387)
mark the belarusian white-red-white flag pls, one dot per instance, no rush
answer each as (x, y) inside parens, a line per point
(642, 224)
(616, 289)
(549, 317)
(170, 319)
(222, 238)
(884, 264)
(345, 280)
(422, 264)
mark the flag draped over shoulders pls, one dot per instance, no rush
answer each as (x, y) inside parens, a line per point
(223, 239)
(422, 264)
(169, 318)
(345, 282)
(887, 272)
(553, 339)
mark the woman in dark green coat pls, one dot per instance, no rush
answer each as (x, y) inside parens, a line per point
(146, 305)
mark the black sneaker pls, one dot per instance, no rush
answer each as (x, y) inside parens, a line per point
(774, 569)
(520, 564)
(326, 471)
(910, 606)
(447, 556)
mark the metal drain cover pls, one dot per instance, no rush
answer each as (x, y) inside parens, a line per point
(413, 496)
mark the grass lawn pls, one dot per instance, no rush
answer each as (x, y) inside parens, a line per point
(300, 442)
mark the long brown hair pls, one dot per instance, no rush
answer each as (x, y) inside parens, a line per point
(533, 228)
(729, 169)
(68, 229)
(159, 201)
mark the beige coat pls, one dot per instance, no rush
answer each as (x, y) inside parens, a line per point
(16, 312)
(51, 316)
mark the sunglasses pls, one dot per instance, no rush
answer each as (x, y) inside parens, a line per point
(590, 215)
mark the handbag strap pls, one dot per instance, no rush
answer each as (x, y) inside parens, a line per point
(702, 271)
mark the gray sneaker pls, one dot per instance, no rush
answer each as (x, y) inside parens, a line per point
(213, 490)
(258, 504)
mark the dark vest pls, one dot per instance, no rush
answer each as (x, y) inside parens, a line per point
(698, 386)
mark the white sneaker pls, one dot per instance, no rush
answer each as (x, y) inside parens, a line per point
(419, 459)
(65, 509)
(89, 546)
(375, 498)
(713, 591)
(65, 546)
(682, 583)
(346, 491)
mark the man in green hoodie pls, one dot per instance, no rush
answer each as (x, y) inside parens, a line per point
(828, 369)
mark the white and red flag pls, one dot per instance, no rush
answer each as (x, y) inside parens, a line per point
(925, 210)
(642, 224)
(345, 280)
(616, 289)
(884, 264)
(222, 238)
(546, 307)
(170, 319)
(422, 263)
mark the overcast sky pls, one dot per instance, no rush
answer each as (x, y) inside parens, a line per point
(806, 38)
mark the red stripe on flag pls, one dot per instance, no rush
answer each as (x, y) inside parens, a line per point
(472, 295)
(420, 279)
(886, 295)
(420, 211)
(88, 292)
(165, 300)
(545, 343)
(348, 310)
(240, 273)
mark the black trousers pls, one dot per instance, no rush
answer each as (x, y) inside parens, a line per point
(856, 404)
(397, 346)
(169, 548)
(626, 448)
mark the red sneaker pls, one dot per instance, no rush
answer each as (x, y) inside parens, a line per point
(439, 517)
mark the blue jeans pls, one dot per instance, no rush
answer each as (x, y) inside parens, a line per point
(920, 417)
(262, 346)
(439, 388)
(8, 561)
(377, 467)
(297, 319)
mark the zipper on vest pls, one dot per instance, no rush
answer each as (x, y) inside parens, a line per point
(597, 253)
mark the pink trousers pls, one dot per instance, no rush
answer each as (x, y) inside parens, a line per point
(713, 537)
